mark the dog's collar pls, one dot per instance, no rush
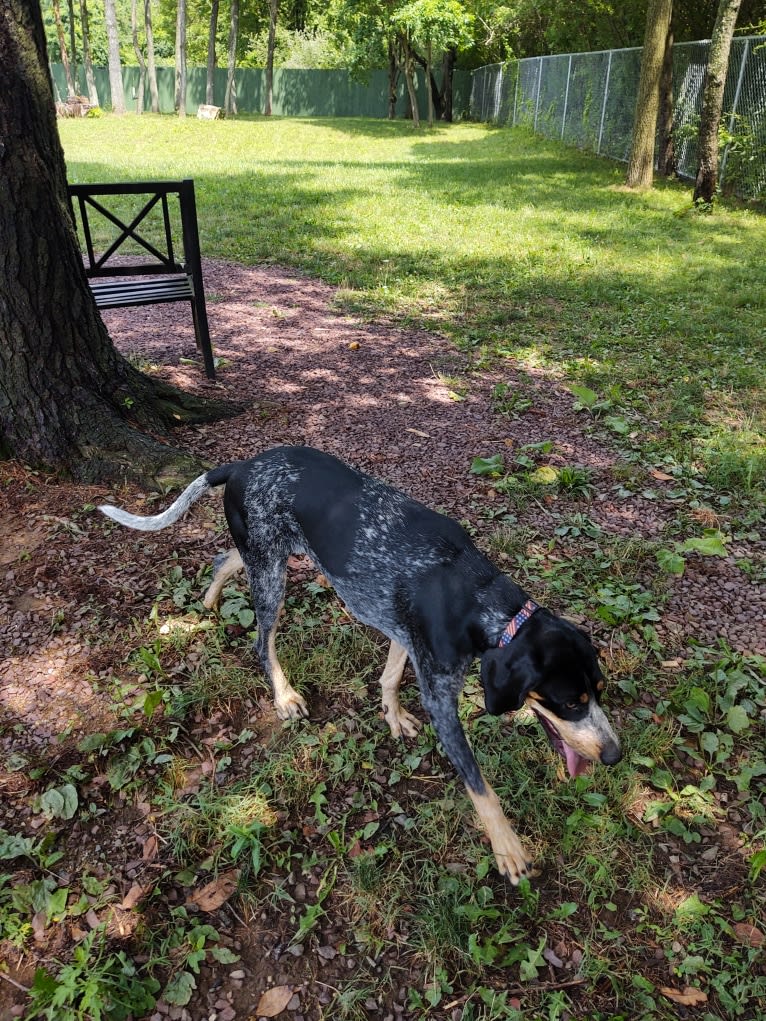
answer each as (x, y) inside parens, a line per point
(512, 627)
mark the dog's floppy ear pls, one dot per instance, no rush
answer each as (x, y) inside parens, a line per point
(507, 680)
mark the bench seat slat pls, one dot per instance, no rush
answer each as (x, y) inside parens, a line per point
(119, 293)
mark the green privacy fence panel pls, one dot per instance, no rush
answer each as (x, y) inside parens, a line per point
(296, 93)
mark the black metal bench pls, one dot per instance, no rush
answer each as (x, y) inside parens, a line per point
(164, 278)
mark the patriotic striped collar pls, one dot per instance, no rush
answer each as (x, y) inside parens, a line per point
(513, 625)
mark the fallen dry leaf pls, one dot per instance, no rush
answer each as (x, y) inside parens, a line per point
(662, 476)
(690, 997)
(149, 851)
(136, 893)
(274, 1001)
(212, 895)
(749, 934)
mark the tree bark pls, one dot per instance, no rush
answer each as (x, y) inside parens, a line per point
(641, 163)
(180, 101)
(447, 91)
(429, 86)
(712, 100)
(273, 14)
(393, 80)
(68, 399)
(73, 45)
(409, 77)
(151, 67)
(210, 81)
(230, 100)
(666, 155)
(115, 67)
(87, 60)
(139, 57)
(64, 52)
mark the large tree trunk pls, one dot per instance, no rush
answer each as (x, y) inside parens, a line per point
(641, 163)
(181, 58)
(210, 81)
(712, 100)
(139, 57)
(87, 60)
(666, 155)
(273, 14)
(115, 67)
(151, 67)
(68, 399)
(230, 100)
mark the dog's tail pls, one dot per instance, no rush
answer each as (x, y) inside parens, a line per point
(192, 493)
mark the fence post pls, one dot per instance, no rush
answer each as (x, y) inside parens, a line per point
(516, 90)
(566, 98)
(734, 106)
(603, 105)
(539, 79)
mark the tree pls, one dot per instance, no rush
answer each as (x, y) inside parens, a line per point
(230, 100)
(70, 84)
(180, 95)
(151, 67)
(712, 100)
(68, 399)
(666, 154)
(139, 57)
(210, 81)
(641, 162)
(115, 67)
(273, 14)
(87, 60)
(433, 26)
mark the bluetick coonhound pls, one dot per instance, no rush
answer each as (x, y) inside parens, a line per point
(417, 577)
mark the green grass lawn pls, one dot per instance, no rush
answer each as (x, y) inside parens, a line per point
(505, 242)
(523, 253)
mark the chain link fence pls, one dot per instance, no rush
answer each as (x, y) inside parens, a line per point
(588, 100)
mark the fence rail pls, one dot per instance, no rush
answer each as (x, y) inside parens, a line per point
(588, 100)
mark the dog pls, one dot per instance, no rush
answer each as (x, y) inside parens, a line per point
(416, 576)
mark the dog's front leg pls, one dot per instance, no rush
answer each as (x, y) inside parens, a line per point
(510, 855)
(512, 860)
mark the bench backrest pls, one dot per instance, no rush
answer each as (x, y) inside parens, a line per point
(160, 256)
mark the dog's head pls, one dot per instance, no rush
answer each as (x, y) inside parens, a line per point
(552, 666)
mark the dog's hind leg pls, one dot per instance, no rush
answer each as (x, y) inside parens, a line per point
(267, 584)
(398, 719)
(225, 566)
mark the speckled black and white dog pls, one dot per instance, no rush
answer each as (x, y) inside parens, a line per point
(417, 577)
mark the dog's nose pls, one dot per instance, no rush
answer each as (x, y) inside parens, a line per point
(611, 754)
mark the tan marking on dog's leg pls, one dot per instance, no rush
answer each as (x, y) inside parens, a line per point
(287, 702)
(511, 858)
(228, 568)
(398, 719)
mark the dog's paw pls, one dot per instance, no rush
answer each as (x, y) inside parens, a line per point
(291, 706)
(511, 857)
(401, 722)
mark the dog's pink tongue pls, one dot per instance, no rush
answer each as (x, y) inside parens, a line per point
(576, 764)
